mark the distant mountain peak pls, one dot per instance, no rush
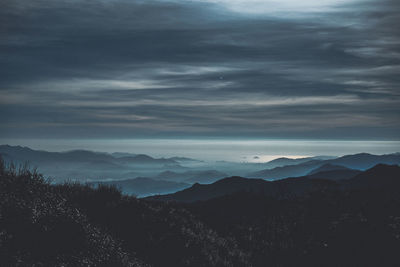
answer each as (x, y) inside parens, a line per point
(233, 178)
(381, 175)
(328, 167)
(383, 167)
(142, 156)
(18, 148)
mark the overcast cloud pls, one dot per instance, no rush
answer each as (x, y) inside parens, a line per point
(268, 69)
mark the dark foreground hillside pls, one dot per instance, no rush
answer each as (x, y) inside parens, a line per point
(76, 225)
(322, 229)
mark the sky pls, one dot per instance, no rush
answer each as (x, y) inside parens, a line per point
(230, 69)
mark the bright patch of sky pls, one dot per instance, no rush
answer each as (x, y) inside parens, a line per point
(282, 6)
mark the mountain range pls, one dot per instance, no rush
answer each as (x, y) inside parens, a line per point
(361, 161)
(280, 162)
(373, 178)
(238, 222)
(88, 165)
(200, 176)
(168, 175)
(25, 154)
(144, 186)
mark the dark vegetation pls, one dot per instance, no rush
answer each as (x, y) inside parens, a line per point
(354, 222)
(290, 187)
(77, 225)
(328, 227)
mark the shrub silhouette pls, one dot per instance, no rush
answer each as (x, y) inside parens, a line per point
(78, 225)
(38, 227)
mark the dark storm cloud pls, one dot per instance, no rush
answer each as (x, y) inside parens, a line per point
(141, 68)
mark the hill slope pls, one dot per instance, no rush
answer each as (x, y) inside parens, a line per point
(143, 186)
(87, 165)
(76, 225)
(361, 161)
(287, 171)
(328, 167)
(201, 176)
(231, 185)
(280, 162)
(335, 175)
(290, 187)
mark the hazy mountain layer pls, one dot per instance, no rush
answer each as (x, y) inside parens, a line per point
(143, 186)
(290, 187)
(360, 161)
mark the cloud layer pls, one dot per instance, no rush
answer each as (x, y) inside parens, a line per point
(125, 69)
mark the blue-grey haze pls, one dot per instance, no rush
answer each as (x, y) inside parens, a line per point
(218, 149)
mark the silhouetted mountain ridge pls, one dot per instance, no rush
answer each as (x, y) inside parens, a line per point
(144, 186)
(289, 187)
(328, 167)
(145, 159)
(19, 153)
(381, 176)
(87, 165)
(193, 176)
(287, 171)
(280, 162)
(361, 161)
(335, 175)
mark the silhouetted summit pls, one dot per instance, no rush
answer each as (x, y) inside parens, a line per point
(86, 165)
(291, 187)
(335, 175)
(144, 186)
(280, 162)
(360, 161)
(381, 176)
(363, 161)
(201, 176)
(328, 167)
(280, 189)
(145, 159)
(287, 171)
(221, 187)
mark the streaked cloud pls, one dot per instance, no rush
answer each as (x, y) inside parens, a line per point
(310, 69)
